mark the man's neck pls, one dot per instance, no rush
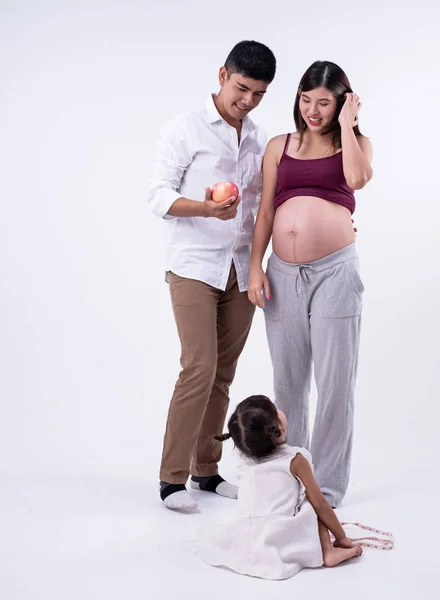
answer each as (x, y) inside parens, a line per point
(236, 123)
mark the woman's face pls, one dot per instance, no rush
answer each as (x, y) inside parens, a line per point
(317, 108)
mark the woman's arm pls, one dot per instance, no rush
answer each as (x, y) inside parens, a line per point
(300, 467)
(263, 225)
(357, 152)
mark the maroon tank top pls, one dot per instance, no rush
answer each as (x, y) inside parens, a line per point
(320, 177)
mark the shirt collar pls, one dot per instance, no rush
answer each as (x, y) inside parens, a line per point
(211, 110)
(214, 116)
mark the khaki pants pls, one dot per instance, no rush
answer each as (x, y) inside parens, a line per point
(213, 326)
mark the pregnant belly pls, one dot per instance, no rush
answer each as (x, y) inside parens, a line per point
(306, 228)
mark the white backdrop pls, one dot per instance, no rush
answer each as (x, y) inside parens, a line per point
(88, 348)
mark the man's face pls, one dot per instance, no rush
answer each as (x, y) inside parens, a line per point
(239, 94)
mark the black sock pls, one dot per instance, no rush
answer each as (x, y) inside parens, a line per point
(208, 484)
(166, 489)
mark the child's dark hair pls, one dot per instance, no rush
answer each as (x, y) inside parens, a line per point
(254, 427)
(252, 59)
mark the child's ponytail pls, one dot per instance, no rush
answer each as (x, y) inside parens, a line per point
(223, 437)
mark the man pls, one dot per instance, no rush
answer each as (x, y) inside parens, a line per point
(208, 262)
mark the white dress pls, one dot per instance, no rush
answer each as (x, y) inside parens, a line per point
(275, 532)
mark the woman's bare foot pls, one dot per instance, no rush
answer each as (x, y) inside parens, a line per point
(334, 556)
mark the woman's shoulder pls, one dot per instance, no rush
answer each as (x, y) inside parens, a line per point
(282, 138)
(277, 144)
(277, 141)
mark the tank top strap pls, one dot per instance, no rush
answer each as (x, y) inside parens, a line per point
(286, 145)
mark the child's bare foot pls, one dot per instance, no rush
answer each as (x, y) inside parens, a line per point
(334, 556)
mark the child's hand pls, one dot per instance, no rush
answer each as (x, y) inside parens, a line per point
(344, 543)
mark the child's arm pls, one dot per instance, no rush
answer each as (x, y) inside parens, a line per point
(300, 467)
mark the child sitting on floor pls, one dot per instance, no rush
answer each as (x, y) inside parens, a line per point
(283, 520)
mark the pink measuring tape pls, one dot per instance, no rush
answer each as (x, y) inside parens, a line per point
(381, 543)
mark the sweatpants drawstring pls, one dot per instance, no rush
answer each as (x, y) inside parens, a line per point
(302, 277)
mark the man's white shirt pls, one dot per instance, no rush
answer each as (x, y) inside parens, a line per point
(195, 151)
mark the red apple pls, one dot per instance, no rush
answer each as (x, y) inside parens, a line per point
(223, 190)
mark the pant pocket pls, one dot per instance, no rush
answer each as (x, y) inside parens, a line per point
(186, 292)
(353, 270)
(275, 307)
(343, 292)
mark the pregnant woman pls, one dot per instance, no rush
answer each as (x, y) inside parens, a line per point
(312, 290)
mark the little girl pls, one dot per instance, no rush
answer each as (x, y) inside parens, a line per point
(283, 520)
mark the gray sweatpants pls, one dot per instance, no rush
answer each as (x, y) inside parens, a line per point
(315, 314)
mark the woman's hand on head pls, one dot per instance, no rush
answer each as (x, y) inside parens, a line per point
(350, 109)
(257, 283)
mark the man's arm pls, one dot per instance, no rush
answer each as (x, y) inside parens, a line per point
(183, 207)
(173, 157)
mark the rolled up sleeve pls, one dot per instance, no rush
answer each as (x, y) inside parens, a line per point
(172, 158)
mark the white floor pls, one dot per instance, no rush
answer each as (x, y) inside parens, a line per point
(73, 537)
(80, 514)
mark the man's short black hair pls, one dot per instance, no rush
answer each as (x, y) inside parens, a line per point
(252, 59)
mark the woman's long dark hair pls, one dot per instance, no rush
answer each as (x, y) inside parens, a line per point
(323, 73)
(254, 427)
